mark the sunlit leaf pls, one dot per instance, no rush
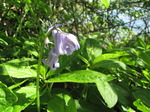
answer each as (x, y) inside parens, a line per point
(109, 95)
(106, 3)
(18, 68)
(143, 95)
(81, 76)
(3, 43)
(109, 56)
(26, 95)
(140, 106)
(110, 63)
(92, 49)
(7, 98)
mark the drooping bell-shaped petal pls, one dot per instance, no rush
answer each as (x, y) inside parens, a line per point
(65, 43)
(71, 43)
(52, 60)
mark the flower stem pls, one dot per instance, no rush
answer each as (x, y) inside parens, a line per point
(38, 92)
(37, 82)
(38, 75)
(41, 46)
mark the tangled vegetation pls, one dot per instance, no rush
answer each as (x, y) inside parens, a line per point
(109, 73)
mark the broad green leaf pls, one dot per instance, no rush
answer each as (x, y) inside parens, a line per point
(109, 56)
(61, 103)
(106, 3)
(107, 92)
(81, 76)
(145, 58)
(93, 101)
(26, 95)
(128, 61)
(7, 98)
(92, 49)
(140, 106)
(110, 63)
(18, 68)
(143, 95)
(122, 93)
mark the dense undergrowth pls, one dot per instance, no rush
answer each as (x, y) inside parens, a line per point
(109, 73)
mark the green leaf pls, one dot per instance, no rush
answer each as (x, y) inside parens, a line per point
(61, 103)
(106, 3)
(140, 106)
(17, 85)
(26, 95)
(109, 56)
(92, 49)
(110, 63)
(108, 93)
(122, 93)
(145, 58)
(7, 98)
(3, 43)
(81, 76)
(146, 74)
(143, 95)
(18, 68)
(141, 43)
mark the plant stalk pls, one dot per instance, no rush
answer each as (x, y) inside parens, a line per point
(37, 83)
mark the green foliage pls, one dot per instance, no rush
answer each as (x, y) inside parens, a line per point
(140, 106)
(81, 76)
(106, 3)
(109, 73)
(142, 94)
(18, 68)
(7, 97)
(66, 103)
(25, 95)
(108, 94)
(17, 100)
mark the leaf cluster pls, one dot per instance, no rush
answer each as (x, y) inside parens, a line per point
(109, 73)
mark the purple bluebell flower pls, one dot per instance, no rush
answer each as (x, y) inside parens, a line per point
(65, 43)
(52, 60)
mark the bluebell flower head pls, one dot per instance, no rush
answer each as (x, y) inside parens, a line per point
(52, 60)
(65, 43)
